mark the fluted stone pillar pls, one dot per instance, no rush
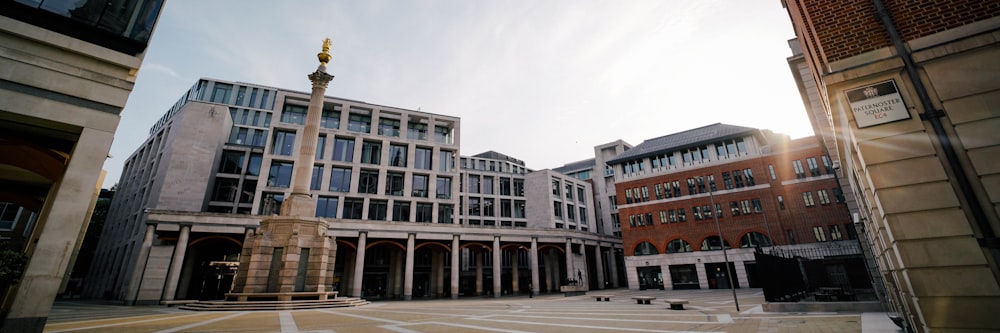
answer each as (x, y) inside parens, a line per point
(479, 272)
(570, 274)
(613, 264)
(515, 288)
(599, 262)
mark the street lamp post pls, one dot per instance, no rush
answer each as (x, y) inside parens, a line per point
(725, 254)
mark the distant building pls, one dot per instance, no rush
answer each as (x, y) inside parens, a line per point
(389, 181)
(905, 97)
(68, 69)
(763, 189)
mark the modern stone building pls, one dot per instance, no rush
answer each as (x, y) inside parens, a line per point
(676, 193)
(66, 71)
(386, 180)
(907, 99)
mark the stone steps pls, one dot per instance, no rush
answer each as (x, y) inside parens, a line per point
(338, 302)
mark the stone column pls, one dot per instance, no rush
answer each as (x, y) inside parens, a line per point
(455, 263)
(396, 274)
(479, 272)
(140, 264)
(599, 261)
(359, 265)
(439, 280)
(613, 264)
(497, 265)
(174, 274)
(583, 274)
(533, 265)
(515, 287)
(570, 273)
(408, 274)
(300, 203)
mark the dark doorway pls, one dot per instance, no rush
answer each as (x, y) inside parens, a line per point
(650, 277)
(684, 277)
(718, 277)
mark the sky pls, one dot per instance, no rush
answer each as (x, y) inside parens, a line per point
(543, 81)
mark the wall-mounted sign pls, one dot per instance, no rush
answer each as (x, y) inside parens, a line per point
(877, 104)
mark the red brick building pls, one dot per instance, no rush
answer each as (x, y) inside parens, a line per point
(763, 188)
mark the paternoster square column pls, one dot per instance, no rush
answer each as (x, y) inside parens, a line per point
(291, 252)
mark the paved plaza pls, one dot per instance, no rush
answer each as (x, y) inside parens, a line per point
(709, 311)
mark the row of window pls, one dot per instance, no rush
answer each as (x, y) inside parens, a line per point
(487, 207)
(495, 166)
(378, 210)
(222, 93)
(751, 239)
(280, 175)
(557, 208)
(481, 184)
(695, 185)
(732, 147)
(705, 212)
(371, 152)
(558, 186)
(814, 169)
(360, 120)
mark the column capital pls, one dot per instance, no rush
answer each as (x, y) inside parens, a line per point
(152, 223)
(319, 78)
(185, 224)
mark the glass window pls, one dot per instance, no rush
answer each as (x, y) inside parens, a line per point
(416, 131)
(489, 207)
(401, 211)
(819, 233)
(388, 127)
(807, 197)
(420, 185)
(579, 195)
(326, 207)
(330, 118)
(443, 187)
(835, 233)
(713, 243)
(397, 155)
(225, 189)
(799, 171)
(445, 213)
(518, 187)
(474, 208)
(377, 210)
(294, 114)
(340, 179)
(359, 123)
(422, 158)
(394, 183)
(320, 147)
(371, 152)
(343, 149)
(570, 212)
(557, 209)
(280, 174)
(317, 178)
(748, 174)
(757, 207)
(569, 191)
(446, 161)
(504, 186)
(824, 198)
(284, 142)
(221, 93)
(583, 215)
(645, 249)
(770, 168)
(474, 184)
(487, 184)
(442, 134)
(679, 246)
(270, 203)
(353, 208)
(248, 191)
(368, 182)
(754, 239)
(423, 212)
(519, 209)
(781, 202)
(827, 165)
(505, 208)
(813, 167)
(232, 162)
(253, 168)
(555, 188)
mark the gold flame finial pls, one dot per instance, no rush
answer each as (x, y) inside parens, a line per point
(324, 57)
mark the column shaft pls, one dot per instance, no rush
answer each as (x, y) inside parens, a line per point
(174, 274)
(408, 274)
(454, 266)
(599, 261)
(359, 265)
(140, 264)
(497, 265)
(533, 265)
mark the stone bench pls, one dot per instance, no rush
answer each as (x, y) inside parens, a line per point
(643, 299)
(605, 298)
(676, 303)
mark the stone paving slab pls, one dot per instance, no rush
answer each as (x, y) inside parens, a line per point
(709, 311)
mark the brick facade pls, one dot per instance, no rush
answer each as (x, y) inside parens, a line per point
(795, 218)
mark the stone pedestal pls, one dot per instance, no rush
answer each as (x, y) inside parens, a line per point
(286, 254)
